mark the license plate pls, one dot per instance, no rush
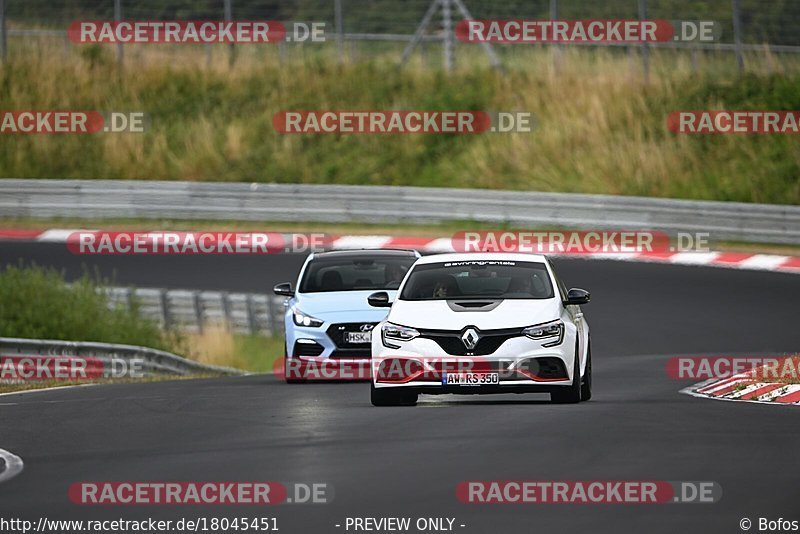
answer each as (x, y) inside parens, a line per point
(358, 337)
(471, 379)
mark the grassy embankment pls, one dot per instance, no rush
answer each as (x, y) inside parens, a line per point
(37, 303)
(600, 128)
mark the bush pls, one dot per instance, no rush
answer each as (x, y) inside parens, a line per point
(37, 303)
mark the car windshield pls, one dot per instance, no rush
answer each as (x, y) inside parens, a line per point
(355, 273)
(496, 279)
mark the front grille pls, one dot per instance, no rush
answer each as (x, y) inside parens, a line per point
(489, 342)
(307, 349)
(470, 366)
(337, 334)
(352, 353)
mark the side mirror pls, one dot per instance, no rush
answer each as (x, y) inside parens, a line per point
(577, 296)
(379, 300)
(284, 289)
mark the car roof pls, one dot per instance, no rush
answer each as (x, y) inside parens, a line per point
(472, 256)
(365, 253)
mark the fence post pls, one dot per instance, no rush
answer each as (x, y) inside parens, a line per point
(737, 35)
(229, 18)
(3, 48)
(420, 31)
(645, 47)
(447, 26)
(556, 47)
(118, 18)
(487, 47)
(337, 16)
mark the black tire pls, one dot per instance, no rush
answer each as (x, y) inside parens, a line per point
(391, 396)
(286, 368)
(586, 383)
(570, 394)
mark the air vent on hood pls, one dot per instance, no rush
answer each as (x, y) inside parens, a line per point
(473, 305)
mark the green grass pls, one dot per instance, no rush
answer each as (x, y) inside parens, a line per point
(216, 345)
(37, 303)
(258, 353)
(600, 128)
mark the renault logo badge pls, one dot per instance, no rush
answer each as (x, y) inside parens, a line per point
(470, 338)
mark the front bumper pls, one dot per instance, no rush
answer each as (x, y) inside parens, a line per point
(320, 353)
(523, 365)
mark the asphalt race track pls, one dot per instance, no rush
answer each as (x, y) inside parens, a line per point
(406, 462)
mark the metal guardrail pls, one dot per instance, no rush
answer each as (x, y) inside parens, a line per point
(150, 361)
(193, 310)
(189, 310)
(98, 199)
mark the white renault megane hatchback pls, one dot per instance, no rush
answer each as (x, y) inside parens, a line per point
(481, 323)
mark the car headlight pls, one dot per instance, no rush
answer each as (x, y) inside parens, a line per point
(550, 330)
(396, 332)
(301, 319)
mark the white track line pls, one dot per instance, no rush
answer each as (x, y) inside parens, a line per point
(40, 390)
(13, 465)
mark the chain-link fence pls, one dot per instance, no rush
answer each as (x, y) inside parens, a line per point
(358, 27)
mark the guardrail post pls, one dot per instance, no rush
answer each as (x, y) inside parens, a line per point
(275, 314)
(165, 314)
(198, 310)
(226, 309)
(129, 297)
(251, 315)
